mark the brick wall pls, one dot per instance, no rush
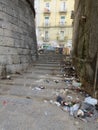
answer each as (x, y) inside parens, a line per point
(18, 47)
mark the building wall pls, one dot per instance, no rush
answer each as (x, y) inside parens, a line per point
(85, 42)
(37, 16)
(17, 34)
(54, 27)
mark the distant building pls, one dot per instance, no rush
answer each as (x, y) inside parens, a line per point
(54, 22)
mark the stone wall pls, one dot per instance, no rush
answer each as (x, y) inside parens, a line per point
(18, 47)
(85, 42)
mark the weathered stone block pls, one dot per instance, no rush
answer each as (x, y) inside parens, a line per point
(85, 40)
(17, 34)
(3, 59)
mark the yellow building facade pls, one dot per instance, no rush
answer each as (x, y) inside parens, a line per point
(54, 22)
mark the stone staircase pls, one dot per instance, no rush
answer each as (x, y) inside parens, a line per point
(47, 64)
(49, 61)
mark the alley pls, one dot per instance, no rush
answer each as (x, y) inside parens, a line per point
(48, 65)
(28, 100)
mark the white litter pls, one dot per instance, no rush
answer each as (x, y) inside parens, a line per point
(91, 100)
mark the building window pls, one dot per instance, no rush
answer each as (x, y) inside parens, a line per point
(47, 6)
(46, 20)
(46, 35)
(61, 35)
(62, 20)
(63, 6)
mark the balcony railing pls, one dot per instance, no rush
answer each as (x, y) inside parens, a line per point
(63, 11)
(47, 0)
(46, 11)
(46, 24)
(62, 23)
(61, 39)
(46, 39)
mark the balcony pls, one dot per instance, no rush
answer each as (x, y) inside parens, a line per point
(62, 24)
(46, 11)
(63, 11)
(46, 24)
(47, 0)
(61, 39)
(46, 39)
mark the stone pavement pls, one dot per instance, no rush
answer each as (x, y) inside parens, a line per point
(23, 106)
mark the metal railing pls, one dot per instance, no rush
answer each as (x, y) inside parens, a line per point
(46, 24)
(62, 11)
(62, 23)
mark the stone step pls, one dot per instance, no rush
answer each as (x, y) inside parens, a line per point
(48, 65)
(53, 56)
(47, 68)
(48, 62)
(50, 57)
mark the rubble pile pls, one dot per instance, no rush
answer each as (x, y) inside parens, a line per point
(85, 108)
(68, 69)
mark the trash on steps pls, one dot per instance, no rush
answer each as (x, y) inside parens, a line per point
(76, 84)
(91, 100)
(38, 88)
(82, 109)
(8, 77)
